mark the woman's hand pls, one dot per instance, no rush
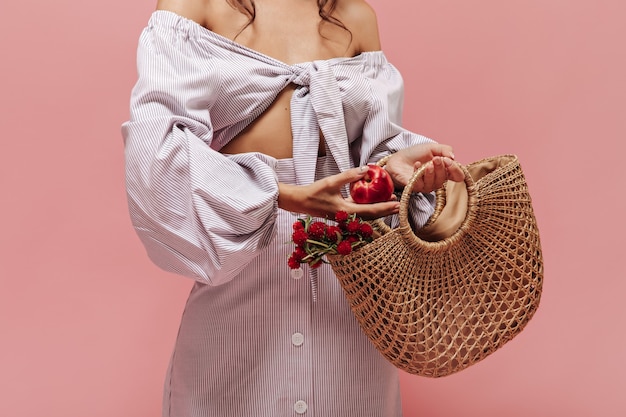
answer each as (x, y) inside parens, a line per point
(438, 157)
(323, 198)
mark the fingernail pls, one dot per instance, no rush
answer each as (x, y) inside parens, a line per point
(363, 168)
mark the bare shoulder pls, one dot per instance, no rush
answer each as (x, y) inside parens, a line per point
(360, 18)
(195, 10)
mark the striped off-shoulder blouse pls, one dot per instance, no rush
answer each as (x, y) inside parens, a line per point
(256, 338)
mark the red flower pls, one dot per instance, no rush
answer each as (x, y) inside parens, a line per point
(341, 216)
(366, 230)
(351, 239)
(299, 253)
(299, 237)
(317, 229)
(354, 226)
(344, 247)
(333, 233)
(293, 262)
(316, 239)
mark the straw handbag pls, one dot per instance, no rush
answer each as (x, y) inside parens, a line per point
(439, 300)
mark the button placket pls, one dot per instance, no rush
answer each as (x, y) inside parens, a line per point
(299, 326)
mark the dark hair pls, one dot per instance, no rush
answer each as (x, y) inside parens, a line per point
(326, 8)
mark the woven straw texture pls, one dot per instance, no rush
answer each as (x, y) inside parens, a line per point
(436, 304)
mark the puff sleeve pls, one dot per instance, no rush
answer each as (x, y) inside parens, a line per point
(382, 130)
(198, 213)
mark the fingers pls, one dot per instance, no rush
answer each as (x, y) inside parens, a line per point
(374, 210)
(433, 177)
(455, 173)
(439, 149)
(348, 176)
(323, 197)
(440, 172)
(428, 178)
(436, 173)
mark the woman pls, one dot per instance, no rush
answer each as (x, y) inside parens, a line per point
(246, 115)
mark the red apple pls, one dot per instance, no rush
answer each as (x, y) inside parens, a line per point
(375, 187)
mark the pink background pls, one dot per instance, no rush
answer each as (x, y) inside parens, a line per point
(87, 323)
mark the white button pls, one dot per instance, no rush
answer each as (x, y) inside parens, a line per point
(297, 273)
(297, 339)
(300, 407)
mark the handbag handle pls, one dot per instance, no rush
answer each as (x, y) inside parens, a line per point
(405, 228)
